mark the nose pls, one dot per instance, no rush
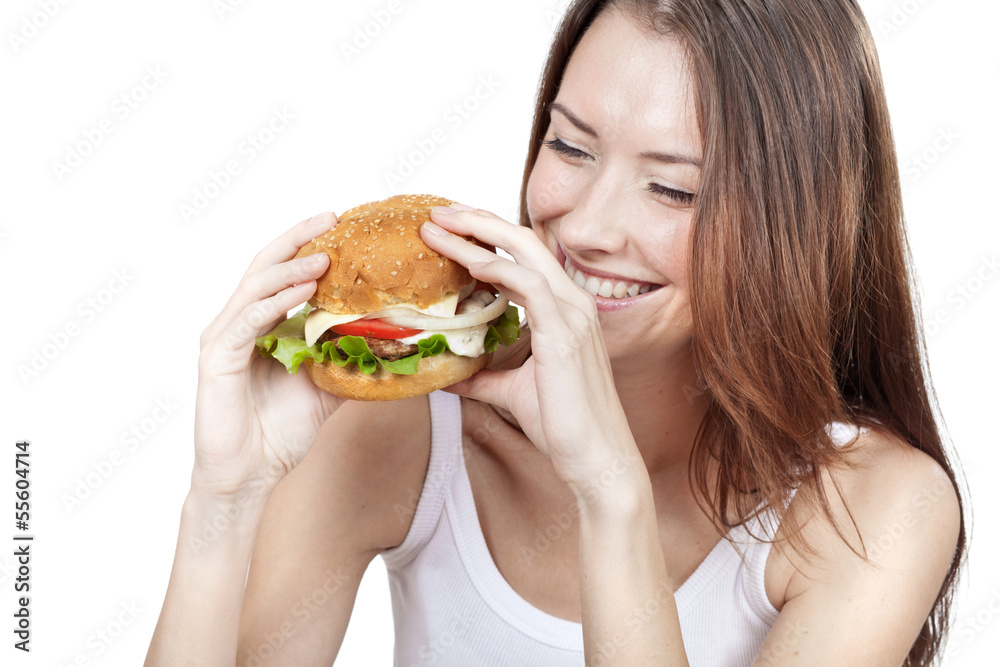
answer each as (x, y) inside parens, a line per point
(597, 223)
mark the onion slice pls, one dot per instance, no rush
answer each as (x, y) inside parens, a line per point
(405, 317)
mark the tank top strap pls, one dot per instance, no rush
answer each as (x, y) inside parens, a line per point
(756, 536)
(754, 541)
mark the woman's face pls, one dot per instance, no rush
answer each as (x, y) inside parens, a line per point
(611, 191)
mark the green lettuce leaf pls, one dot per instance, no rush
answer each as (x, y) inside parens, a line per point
(286, 343)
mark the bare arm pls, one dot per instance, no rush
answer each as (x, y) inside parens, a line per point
(324, 524)
(253, 423)
(311, 544)
(200, 615)
(629, 613)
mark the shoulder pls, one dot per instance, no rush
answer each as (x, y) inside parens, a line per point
(885, 478)
(889, 484)
(893, 511)
(368, 461)
(868, 573)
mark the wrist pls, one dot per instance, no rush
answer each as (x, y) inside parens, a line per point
(218, 519)
(617, 489)
(214, 484)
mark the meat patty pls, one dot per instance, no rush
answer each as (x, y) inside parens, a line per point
(389, 350)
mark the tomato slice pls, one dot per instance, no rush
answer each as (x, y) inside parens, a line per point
(374, 329)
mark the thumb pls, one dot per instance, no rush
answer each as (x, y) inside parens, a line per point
(488, 386)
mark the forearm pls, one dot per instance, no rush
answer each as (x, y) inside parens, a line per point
(199, 622)
(629, 613)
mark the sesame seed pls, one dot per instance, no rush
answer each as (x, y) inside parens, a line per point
(393, 273)
(420, 256)
(399, 263)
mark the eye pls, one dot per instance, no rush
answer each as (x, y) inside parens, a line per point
(679, 196)
(565, 149)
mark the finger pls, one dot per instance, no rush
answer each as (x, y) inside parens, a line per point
(274, 278)
(488, 386)
(453, 246)
(267, 282)
(271, 279)
(280, 250)
(550, 316)
(520, 242)
(285, 246)
(259, 317)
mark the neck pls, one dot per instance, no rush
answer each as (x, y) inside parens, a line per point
(665, 407)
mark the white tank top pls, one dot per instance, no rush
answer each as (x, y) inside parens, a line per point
(452, 607)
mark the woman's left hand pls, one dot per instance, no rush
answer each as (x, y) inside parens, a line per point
(564, 396)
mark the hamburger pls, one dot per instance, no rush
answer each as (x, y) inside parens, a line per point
(390, 318)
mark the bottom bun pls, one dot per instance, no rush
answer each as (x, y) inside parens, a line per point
(433, 373)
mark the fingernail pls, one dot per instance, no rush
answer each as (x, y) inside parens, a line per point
(318, 258)
(434, 229)
(462, 207)
(319, 220)
(444, 210)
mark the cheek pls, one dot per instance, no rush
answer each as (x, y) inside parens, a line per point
(550, 189)
(665, 245)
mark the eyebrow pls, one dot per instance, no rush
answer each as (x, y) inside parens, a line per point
(666, 158)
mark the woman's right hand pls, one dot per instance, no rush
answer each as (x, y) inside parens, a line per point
(253, 420)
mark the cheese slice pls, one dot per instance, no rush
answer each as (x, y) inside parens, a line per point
(320, 320)
(444, 308)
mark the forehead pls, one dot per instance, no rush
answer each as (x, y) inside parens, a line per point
(622, 76)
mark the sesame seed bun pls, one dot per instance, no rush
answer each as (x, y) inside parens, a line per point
(378, 260)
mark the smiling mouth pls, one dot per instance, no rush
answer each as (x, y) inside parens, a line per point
(606, 287)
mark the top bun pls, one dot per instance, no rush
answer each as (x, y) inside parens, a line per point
(377, 259)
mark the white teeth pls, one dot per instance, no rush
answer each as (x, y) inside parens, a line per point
(604, 288)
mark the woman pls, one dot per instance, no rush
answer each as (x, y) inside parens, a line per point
(716, 446)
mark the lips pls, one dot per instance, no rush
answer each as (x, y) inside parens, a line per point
(606, 286)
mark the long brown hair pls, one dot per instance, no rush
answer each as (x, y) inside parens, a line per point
(801, 289)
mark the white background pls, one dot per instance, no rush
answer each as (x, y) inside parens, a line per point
(100, 368)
